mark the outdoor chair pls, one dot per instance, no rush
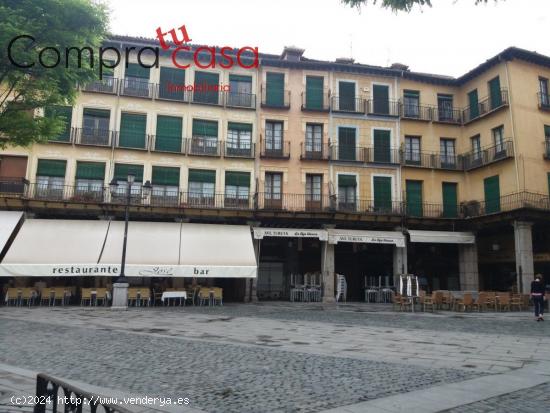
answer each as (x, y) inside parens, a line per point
(14, 295)
(516, 301)
(428, 302)
(204, 295)
(191, 295)
(446, 299)
(504, 301)
(144, 296)
(490, 300)
(133, 295)
(217, 295)
(481, 297)
(86, 295)
(59, 293)
(437, 297)
(101, 296)
(28, 295)
(465, 302)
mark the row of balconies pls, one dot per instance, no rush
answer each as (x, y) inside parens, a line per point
(170, 197)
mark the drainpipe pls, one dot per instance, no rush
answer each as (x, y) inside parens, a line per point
(329, 138)
(397, 83)
(514, 140)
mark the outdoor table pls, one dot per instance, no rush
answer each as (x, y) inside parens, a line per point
(167, 295)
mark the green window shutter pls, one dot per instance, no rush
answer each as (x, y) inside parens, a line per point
(65, 112)
(242, 127)
(414, 198)
(547, 131)
(548, 183)
(205, 128)
(450, 200)
(275, 89)
(136, 70)
(494, 91)
(240, 78)
(237, 178)
(314, 92)
(346, 144)
(171, 76)
(199, 175)
(382, 193)
(381, 97)
(132, 131)
(51, 167)
(165, 176)
(347, 180)
(346, 96)
(412, 94)
(168, 137)
(474, 106)
(98, 113)
(492, 194)
(122, 170)
(206, 80)
(90, 170)
(382, 146)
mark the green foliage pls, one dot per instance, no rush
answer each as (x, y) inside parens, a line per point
(23, 91)
(397, 5)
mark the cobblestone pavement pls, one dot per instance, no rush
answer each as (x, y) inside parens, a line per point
(265, 358)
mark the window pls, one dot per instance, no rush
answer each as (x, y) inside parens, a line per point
(445, 108)
(411, 103)
(240, 93)
(414, 198)
(382, 146)
(491, 188)
(90, 178)
(13, 170)
(274, 138)
(314, 92)
(381, 99)
(548, 183)
(95, 127)
(239, 139)
(476, 149)
(547, 140)
(412, 150)
(237, 189)
(382, 193)
(120, 176)
(202, 184)
(136, 80)
(166, 183)
(50, 178)
(206, 88)
(205, 137)
(132, 131)
(172, 83)
(346, 96)
(498, 141)
(544, 95)
(168, 137)
(347, 192)
(447, 153)
(65, 113)
(346, 144)
(450, 199)
(275, 89)
(314, 184)
(495, 94)
(273, 189)
(314, 141)
(474, 105)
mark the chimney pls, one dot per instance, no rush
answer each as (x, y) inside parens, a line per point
(292, 53)
(399, 66)
(345, 60)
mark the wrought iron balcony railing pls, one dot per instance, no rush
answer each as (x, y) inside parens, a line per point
(240, 100)
(16, 186)
(164, 143)
(487, 155)
(93, 136)
(208, 97)
(203, 146)
(350, 153)
(176, 93)
(383, 107)
(348, 104)
(106, 85)
(276, 99)
(432, 160)
(447, 115)
(547, 149)
(485, 106)
(318, 102)
(277, 149)
(544, 101)
(135, 87)
(239, 149)
(416, 112)
(132, 140)
(314, 151)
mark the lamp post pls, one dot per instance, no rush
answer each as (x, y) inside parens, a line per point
(120, 286)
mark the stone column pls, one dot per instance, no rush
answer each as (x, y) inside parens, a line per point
(523, 242)
(327, 268)
(399, 263)
(467, 267)
(250, 287)
(120, 296)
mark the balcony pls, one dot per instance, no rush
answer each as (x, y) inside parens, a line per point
(314, 151)
(347, 104)
(275, 100)
(169, 144)
(275, 149)
(348, 153)
(416, 112)
(488, 155)
(544, 101)
(382, 155)
(294, 202)
(162, 92)
(132, 140)
(383, 107)
(13, 186)
(208, 97)
(368, 206)
(432, 160)
(239, 150)
(240, 100)
(546, 154)
(203, 146)
(447, 115)
(316, 103)
(108, 85)
(485, 106)
(140, 88)
(93, 137)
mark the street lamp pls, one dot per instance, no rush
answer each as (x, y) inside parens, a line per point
(120, 286)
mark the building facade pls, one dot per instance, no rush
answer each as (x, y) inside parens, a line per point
(360, 170)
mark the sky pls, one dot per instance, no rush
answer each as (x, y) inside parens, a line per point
(450, 38)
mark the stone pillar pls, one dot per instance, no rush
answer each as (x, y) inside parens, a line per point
(327, 268)
(399, 263)
(250, 287)
(523, 242)
(120, 296)
(467, 267)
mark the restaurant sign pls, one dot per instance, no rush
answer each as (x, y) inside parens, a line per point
(367, 239)
(260, 233)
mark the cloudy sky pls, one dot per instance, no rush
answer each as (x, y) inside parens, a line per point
(450, 38)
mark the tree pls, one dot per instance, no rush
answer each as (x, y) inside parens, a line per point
(54, 24)
(398, 5)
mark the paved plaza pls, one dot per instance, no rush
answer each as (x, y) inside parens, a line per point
(283, 357)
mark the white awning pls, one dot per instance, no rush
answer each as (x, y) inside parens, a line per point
(54, 247)
(370, 237)
(260, 233)
(442, 237)
(8, 222)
